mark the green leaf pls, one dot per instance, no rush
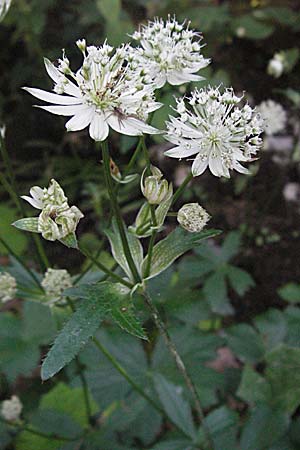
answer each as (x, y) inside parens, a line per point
(254, 388)
(254, 29)
(240, 280)
(281, 14)
(110, 9)
(81, 327)
(290, 292)
(176, 444)
(245, 343)
(70, 241)
(163, 208)
(264, 427)
(283, 373)
(16, 240)
(176, 407)
(223, 427)
(174, 245)
(272, 326)
(121, 309)
(118, 252)
(215, 292)
(292, 317)
(230, 246)
(27, 224)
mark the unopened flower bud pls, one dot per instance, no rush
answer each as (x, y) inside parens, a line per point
(81, 44)
(192, 217)
(8, 287)
(154, 188)
(11, 409)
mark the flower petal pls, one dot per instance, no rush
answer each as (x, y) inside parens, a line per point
(180, 152)
(141, 126)
(35, 203)
(98, 127)
(81, 120)
(56, 75)
(200, 164)
(70, 110)
(53, 98)
(216, 166)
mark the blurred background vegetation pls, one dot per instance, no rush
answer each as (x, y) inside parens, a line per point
(240, 296)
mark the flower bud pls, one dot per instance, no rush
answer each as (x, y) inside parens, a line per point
(192, 217)
(154, 188)
(8, 287)
(11, 409)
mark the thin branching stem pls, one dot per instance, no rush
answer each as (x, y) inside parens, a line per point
(182, 187)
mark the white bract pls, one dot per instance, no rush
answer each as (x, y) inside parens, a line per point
(4, 7)
(105, 92)
(192, 217)
(154, 187)
(171, 52)
(57, 219)
(276, 65)
(11, 409)
(8, 287)
(274, 115)
(211, 126)
(55, 282)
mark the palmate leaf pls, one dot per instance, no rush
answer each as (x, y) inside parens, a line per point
(174, 245)
(99, 301)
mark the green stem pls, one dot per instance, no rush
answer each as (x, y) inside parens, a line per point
(180, 364)
(105, 269)
(151, 242)
(90, 265)
(133, 158)
(11, 252)
(117, 212)
(38, 433)
(181, 188)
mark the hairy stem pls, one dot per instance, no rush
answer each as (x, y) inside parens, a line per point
(117, 212)
(180, 364)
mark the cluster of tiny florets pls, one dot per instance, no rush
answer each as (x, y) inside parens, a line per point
(56, 281)
(8, 287)
(193, 217)
(212, 126)
(11, 409)
(274, 115)
(171, 52)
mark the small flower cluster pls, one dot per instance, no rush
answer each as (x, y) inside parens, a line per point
(211, 125)
(193, 217)
(274, 115)
(11, 409)
(170, 51)
(8, 287)
(56, 281)
(57, 219)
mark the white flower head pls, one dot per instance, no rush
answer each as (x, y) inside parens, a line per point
(11, 409)
(55, 282)
(57, 219)
(276, 65)
(106, 91)
(4, 7)
(213, 127)
(274, 115)
(171, 52)
(8, 287)
(192, 217)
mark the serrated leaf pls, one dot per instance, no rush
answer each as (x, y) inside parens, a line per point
(272, 326)
(240, 280)
(174, 245)
(215, 292)
(70, 241)
(176, 407)
(230, 246)
(222, 424)
(81, 327)
(245, 343)
(27, 224)
(253, 387)
(290, 292)
(118, 252)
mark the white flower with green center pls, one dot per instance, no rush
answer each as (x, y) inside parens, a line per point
(8, 287)
(274, 115)
(211, 126)
(171, 52)
(55, 282)
(105, 92)
(192, 217)
(11, 409)
(57, 219)
(4, 7)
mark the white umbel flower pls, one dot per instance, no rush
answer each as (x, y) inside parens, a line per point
(276, 65)
(274, 115)
(105, 92)
(11, 409)
(8, 287)
(211, 126)
(55, 282)
(192, 217)
(57, 219)
(4, 7)
(171, 52)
